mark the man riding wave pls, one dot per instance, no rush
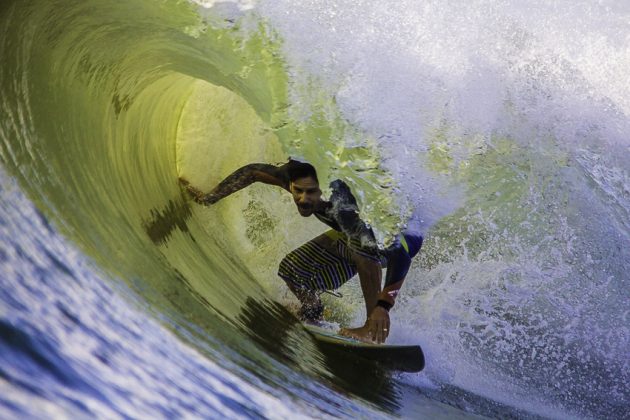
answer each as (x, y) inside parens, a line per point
(334, 257)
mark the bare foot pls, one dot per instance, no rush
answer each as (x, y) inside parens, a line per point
(361, 334)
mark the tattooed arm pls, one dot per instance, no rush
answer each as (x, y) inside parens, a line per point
(239, 179)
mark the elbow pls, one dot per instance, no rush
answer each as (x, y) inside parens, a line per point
(259, 172)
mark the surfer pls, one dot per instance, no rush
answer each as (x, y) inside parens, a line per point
(329, 260)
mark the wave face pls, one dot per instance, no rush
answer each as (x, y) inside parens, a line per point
(499, 131)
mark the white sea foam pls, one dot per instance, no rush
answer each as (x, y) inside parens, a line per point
(407, 70)
(527, 105)
(240, 4)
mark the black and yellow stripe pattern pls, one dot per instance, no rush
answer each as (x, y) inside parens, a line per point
(315, 268)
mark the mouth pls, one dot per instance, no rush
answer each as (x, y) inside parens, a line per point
(305, 210)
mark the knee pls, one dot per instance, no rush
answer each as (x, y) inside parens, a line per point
(287, 264)
(290, 273)
(284, 264)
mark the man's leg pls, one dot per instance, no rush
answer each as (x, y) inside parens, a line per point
(313, 268)
(312, 308)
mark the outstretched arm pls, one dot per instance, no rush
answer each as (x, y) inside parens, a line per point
(239, 179)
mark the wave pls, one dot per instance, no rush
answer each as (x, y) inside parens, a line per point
(508, 150)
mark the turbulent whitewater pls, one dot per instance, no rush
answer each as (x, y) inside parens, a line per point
(498, 129)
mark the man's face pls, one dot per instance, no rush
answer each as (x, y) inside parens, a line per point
(306, 194)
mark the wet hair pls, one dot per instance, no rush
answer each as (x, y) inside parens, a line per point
(297, 170)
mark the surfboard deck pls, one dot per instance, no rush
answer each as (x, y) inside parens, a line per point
(403, 358)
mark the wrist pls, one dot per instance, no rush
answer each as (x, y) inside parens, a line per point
(209, 199)
(381, 303)
(388, 297)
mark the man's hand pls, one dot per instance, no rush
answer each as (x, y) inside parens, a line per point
(375, 329)
(378, 323)
(198, 195)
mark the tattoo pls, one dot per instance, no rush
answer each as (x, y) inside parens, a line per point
(238, 180)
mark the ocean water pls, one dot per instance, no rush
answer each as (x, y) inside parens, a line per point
(499, 129)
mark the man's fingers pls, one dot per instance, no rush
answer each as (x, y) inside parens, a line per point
(382, 331)
(380, 326)
(378, 330)
(374, 331)
(194, 192)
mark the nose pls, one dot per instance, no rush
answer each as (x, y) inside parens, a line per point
(301, 198)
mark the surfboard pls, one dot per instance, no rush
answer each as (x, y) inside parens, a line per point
(403, 358)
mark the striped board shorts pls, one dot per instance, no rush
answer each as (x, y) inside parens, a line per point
(313, 267)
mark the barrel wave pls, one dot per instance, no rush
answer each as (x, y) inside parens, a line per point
(121, 297)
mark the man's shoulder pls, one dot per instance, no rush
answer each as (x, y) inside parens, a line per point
(342, 197)
(346, 212)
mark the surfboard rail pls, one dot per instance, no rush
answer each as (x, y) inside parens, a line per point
(403, 358)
